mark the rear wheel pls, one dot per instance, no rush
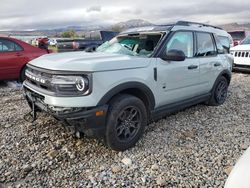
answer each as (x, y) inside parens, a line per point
(126, 121)
(219, 93)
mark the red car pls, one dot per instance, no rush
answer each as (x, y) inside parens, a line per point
(14, 54)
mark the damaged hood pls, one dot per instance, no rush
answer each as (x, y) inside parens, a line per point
(83, 61)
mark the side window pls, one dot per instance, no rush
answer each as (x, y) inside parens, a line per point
(9, 46)
(18, 48)
(205, 45)
(183, 41)
(220, 48)
(3, 47)
(225, 41)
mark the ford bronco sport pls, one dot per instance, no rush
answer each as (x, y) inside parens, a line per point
(139, 76)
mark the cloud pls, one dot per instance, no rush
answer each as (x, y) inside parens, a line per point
(30, 14)
(94, 9)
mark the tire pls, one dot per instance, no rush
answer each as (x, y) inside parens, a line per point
(22, 74)
(219, 92)
(126, 121)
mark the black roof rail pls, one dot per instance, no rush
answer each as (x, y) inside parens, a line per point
(164, 25)
(187, 23)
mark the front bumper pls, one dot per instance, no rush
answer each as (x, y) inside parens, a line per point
(238, 67)
(90, 120)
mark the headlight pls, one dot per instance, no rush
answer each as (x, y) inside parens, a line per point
(71, 85)
(81, 84)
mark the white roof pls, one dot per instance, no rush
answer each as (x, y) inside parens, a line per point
(216, 31)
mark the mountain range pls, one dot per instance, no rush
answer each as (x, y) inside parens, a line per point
(236, 26)
(116, 27)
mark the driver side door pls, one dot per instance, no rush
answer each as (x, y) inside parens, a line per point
(178, 80)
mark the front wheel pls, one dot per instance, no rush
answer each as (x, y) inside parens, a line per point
(219, 93)
(22, 74)
(126, 121)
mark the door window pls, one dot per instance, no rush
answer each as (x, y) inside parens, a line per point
(9, 46)
(183, 41)
(205, 45)
(220, 48)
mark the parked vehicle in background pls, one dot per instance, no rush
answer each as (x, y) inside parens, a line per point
(237, 36)
(141, 75)
(91, 41)
(241, 55)
(43, 43)
(35, 41)
(52, 42)
(14, 55)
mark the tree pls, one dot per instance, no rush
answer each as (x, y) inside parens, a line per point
(69, 34)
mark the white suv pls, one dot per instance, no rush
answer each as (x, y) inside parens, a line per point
(141, 75)
(241, 55)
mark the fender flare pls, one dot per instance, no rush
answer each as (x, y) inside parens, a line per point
(227, 73)
(129, 85)
(223, 73)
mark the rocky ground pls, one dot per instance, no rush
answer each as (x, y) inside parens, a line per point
(193, 148)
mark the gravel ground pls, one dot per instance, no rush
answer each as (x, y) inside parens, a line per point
(193, 148)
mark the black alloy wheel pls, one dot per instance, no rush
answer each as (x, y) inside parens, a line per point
(126, 121)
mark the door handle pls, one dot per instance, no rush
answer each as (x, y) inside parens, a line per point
(191, 67)
(217, 64)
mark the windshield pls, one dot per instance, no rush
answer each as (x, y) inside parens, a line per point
(139, 44)
(246, 40)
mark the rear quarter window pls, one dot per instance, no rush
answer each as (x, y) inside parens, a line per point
(220, 48)
(225, 41)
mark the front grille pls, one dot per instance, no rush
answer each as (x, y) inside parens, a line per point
(39, 79)
(245, 54)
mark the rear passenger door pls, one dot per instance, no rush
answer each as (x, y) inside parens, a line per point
(10, 53)
(210, 61)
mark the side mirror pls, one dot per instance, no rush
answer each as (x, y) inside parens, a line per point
(173, 55)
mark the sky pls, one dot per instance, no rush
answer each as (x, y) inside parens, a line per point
(49, 14)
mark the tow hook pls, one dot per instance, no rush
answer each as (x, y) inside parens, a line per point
(31, 116)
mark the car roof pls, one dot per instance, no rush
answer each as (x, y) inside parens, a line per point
(4, 36)
(10, 38)
(160, 28)
(180, 25)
